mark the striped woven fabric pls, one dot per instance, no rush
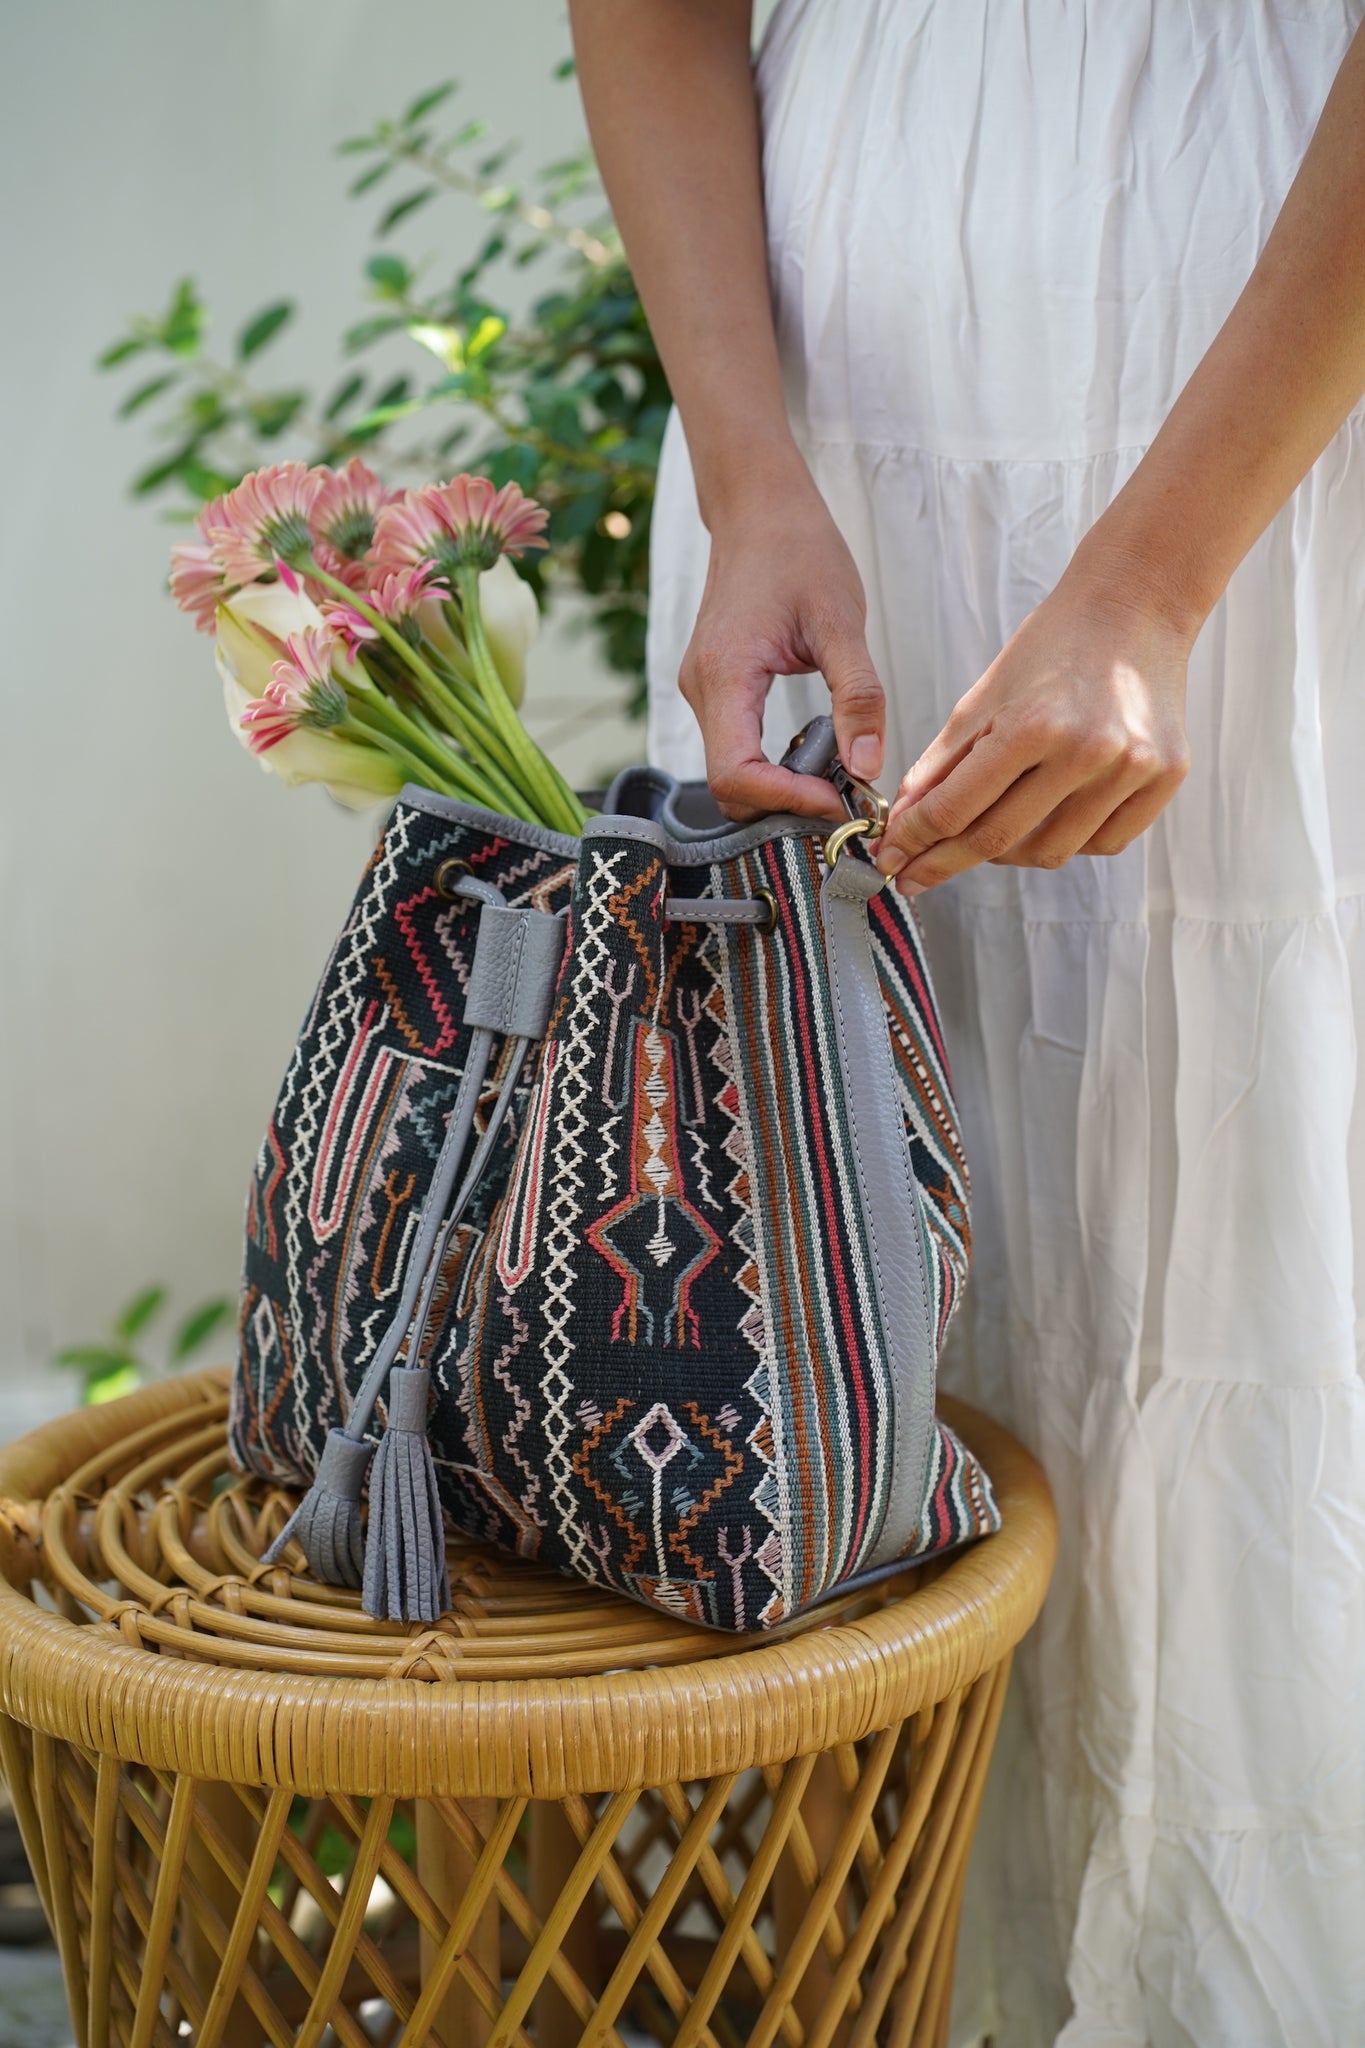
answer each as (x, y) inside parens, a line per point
(655, 1351)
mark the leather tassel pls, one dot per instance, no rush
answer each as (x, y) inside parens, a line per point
(326, 1522)
(405, 1551)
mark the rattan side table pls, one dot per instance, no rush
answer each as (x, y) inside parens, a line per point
(254, 1815)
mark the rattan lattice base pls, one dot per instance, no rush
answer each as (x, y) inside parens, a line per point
(555, 1818)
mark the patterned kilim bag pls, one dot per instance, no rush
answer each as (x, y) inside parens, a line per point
(621, 1179)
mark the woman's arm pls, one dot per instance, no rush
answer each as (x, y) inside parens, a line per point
(1073, 740)
(670, 102)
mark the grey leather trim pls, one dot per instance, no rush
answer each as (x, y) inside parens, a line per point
(681, 852)
(693, 853)
(343, 1464)
(515, 966)
(639, 793)
(409, 1396)
(717, 910)
(890, 1210)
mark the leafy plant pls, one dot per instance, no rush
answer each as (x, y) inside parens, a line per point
(117, 1363)
(569, 403)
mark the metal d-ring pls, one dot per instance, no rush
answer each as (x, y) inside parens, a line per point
(853, 828)
(856, 828)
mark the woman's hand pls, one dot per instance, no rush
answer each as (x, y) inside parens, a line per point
(1071, 742)
(782, 598)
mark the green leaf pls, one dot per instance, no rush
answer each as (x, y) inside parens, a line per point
(139, 1312)
(424, 102)
(344, 395)
(203, 482)
(145, 393)
(564, 68)
(91, 1358)
(183, 325)
(405, 206)
(356, 145)
(273, 414)
(113, 1386)
(370, 178)
(205, 411)
(516, 464)
(159, 473)
(382, 416)
(119, 351)
(498, 198)
(201, 1324)
(490, 329)
(367, 331)
(266, 324)
(389, 274)
(396, 393)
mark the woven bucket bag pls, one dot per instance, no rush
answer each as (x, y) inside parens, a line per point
(613, 1204)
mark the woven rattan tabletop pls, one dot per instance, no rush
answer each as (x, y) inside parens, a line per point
(136, 1619)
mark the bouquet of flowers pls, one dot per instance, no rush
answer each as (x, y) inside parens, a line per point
(368, 637)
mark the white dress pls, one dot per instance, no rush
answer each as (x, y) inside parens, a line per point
(1002, 234)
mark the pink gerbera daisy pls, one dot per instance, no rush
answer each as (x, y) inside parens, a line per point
(395, 598)
(264, 521)
(197, 583)
(346, 507)
(463, 523)
(303, 692)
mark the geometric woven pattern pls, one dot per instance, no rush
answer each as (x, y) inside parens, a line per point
(657, 1352)
(256, 1816)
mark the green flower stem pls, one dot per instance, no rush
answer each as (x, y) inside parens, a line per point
(420, 760)
(416, 770)
(471, 702)
(495, 791)
(440, 699)
(471, 731)
(557, 805)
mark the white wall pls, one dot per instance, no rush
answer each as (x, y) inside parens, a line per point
(164, 906)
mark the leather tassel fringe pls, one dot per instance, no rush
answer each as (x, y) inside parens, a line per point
(326, 1522)
(405, 1554)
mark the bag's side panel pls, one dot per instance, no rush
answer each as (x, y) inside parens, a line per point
(352, 1142)
(830, 1387)
(937, 1156)
(959, 1504)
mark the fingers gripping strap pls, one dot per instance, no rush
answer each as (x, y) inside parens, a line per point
(891, 1211)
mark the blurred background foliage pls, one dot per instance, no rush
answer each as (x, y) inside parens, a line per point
(569, 401)
(134, 1349)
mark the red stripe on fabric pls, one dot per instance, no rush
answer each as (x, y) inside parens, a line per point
(943, 1521)
(799, 979)
(895, 937)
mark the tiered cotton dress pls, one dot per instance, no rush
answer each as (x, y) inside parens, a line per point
(1002, 234)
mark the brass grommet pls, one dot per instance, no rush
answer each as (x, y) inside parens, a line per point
(766, 896)
(447, 874)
